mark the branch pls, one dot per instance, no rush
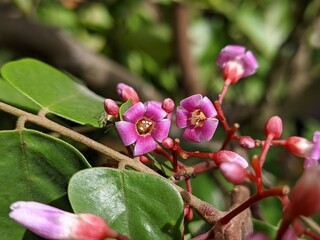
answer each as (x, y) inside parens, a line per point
(59, 49)
(191, 83)
(208, 212)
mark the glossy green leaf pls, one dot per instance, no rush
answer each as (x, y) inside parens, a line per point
(54, 90)
(139, 205)
(10, 95)
(33, 166)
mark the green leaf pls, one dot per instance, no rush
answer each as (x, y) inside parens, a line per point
(139, 205)
(36, 167)
(268, 229)
(12, 96)
(54, 90)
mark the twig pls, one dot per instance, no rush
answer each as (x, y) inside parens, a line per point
(207, 211)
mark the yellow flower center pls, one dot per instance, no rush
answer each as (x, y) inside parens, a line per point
(197, 118)
(144, 126)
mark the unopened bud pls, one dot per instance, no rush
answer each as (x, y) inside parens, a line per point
(111, 107)
(229, 156)
(168, 105)
(305, 194)
(233, 172)
(273, 127)
(167, 143)
(298, 146)
(126, 92)
(247, 142)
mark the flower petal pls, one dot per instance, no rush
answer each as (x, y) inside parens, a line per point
(192, 134)
(144, 145)
(208, 129)
(191, 103)
(127, 132)
(41, 219)
(182, 117)
(154, 112)
(229, 52)
(250, 64)
(134, 113)
(206, 106)
(161, 130)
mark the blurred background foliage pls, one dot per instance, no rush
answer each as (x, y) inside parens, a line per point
(172, 46)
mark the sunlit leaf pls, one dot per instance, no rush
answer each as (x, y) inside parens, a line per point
(54, 90)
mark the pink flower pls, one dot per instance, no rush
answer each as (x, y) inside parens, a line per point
(198, 115)
(52, 223)
(229, 156)
(143, 124)
(236, 63)
(314, 156)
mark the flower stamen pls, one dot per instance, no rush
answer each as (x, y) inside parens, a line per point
(144, 126)
(197, 118)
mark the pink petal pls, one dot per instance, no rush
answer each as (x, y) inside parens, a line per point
(182, 117)
(191, 103)
(144, 145)
(154, 112)
(42, 219)
(229, 52)
(127, 132)
(207, 108)
(134, 113)
(192, 134)
(208, 129)
(161, 130)
(250, 64)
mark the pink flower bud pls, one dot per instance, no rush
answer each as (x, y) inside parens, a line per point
(298, 146)
(229, 156)
(167, 143)
(111, 107)
(305, 194)
(247, 142)
(126, 92)
(273, 127)
(233, 172)
(168, 105)
(53, 223)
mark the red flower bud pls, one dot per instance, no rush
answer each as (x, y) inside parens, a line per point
(273, 127)
(111, 107)
(168, 105)
(246, 142)
(229, 156)
(126, 92)
(305, 195)
(298, 146)
(167, 143)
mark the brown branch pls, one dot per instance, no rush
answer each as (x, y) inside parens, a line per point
(59, 49)
(191, 83)
(207, 211)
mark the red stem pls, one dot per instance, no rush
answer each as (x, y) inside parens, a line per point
(223, 93)
(221, 116)
(277, 191)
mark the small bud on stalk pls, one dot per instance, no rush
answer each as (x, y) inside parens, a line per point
(111, 107)
(298, 146)
(273, 127)
(126, 92)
